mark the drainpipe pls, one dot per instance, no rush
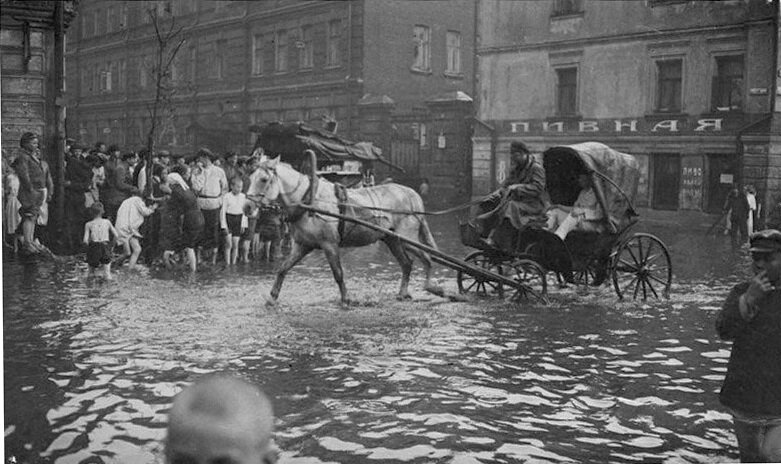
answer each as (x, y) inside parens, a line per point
(59, 105)
(349, 67)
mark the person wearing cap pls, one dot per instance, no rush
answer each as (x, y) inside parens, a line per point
(115, 189)
(164, 157)
(78, 181)
(751, 319)
(221, 418)
(209, 184)
(35, 187)
(520, 198)
(230, 166)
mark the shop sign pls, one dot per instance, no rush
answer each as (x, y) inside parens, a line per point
(648, 126)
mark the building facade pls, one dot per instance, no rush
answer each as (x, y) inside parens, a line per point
(685, 86)
(381, 69)
(32, 53)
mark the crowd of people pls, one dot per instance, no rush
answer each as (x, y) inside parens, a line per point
(178, 210)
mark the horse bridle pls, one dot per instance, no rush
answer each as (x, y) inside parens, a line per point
(273, 173)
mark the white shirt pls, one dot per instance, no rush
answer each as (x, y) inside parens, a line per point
(210, 185)
(130, 216)
(233, 204)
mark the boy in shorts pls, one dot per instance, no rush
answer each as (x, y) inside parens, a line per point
(97, 238)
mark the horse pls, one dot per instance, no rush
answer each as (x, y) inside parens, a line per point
(276, 180)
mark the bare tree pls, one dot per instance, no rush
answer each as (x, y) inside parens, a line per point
(169, 40)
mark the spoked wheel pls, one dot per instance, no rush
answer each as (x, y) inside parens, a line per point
(642, 267)
(531, 276)
(594, 274)
(479, 285)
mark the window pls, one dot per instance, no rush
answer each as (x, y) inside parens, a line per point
(85, 81)
(727, 87)
(213, 62)
(191, 64)
(422, 48)
(305, 48)
(105, 79)
(668, 92)
(121, 75)
(453, 43)
(566, 91)
(334, 46)
(100, 25)
(280, 51)
(257, 54)
(111, 19)
(567, 7)
(123, 16)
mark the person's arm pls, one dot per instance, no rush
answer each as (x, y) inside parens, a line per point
(731, 322)
(197, 181)
(86, 234)
(49, 182)
(114, 233)
(536, 184)
(142, 179)
(223, 218)
(244, 219)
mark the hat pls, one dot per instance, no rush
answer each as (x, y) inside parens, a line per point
(26, 137)
(128, 155)
(518, 147)
(765, 241)
(162, 153)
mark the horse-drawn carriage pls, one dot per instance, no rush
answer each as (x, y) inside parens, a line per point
(638, 264)
(338, 160)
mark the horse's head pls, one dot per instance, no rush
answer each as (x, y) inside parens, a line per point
(264, 182)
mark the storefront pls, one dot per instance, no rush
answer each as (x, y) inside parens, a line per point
(687, 163)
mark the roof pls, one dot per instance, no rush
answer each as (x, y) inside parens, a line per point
(291, 139)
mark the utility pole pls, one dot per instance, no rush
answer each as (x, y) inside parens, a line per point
(59, 105)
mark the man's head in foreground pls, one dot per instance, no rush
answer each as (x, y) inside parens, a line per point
(220, 419)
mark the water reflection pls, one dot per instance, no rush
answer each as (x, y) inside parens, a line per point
(91, 367)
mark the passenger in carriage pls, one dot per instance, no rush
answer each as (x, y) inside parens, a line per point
(520, 198)
(585, 214)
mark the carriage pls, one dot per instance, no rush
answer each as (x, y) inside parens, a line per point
(637, 264)
(339, 160)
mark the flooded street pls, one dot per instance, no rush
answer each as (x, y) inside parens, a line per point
(91, 367)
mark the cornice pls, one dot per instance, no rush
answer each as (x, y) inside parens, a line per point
(625, 37)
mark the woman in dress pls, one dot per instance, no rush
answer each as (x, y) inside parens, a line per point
(183, 204)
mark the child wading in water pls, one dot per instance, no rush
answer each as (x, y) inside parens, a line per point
(233, 220)
(97, 239)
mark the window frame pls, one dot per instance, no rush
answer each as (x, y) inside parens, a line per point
(281, 51)
(453, 52)
(575, 104)
(306, 55)
(258, 50)
(422, 57)
(715, 76)
(566, 8)
(659, 85)
(333, 57)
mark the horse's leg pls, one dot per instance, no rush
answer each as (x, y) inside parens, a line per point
(425, 259)
(398, 250)
(297, 253)
(331, 251)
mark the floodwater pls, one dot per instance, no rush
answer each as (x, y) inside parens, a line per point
(91, 367)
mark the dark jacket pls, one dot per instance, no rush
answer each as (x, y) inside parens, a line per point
(79, 175)
(753, 381)
(526, 200)
(33, 176)
(116, 189)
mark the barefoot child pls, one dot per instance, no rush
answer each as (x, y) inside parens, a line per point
(130, 216)
(233, 220)
(97, 240)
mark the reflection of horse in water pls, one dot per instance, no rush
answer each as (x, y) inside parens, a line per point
(276, 180)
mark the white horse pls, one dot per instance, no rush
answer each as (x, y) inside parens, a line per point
(275, 180)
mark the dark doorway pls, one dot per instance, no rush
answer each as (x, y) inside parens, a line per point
(721, 174)
(667, 180)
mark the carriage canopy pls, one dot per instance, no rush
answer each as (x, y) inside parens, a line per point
(291, 139)
(615, 176)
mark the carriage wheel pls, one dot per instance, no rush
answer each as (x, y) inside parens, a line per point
(642, 267)
(479, 285)
(531, 276)
(590, 275)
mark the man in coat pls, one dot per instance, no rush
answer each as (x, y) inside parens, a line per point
(35, 187)
(520, 198)
(751, 319)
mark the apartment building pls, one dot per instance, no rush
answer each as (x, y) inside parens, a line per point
(393, 72)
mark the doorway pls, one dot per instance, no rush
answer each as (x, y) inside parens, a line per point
(667, 181)
(722, 172)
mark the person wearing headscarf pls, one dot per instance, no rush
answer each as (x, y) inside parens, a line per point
(182, 208)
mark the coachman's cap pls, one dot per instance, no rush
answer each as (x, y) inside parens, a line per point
(765, 241)
(518, 147)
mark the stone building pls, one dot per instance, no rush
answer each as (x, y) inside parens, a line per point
(32, 54)
(686, 86)
(393, 72)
